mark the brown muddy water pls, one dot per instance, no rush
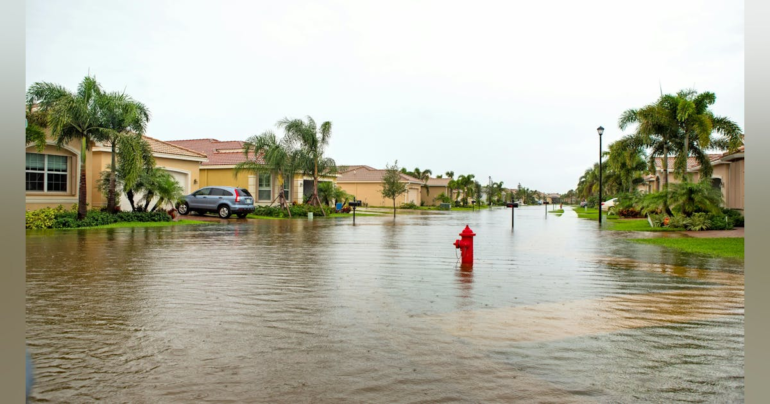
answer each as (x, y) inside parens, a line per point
(299, 311)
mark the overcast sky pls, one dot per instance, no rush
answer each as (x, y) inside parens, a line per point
(512, 90)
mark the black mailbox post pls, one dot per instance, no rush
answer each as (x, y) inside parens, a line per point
(354, 204)
(546, 208)
(513, 206)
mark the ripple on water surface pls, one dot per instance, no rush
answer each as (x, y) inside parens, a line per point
(321, 311)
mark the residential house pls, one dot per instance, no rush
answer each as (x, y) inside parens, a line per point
(365, 183)
(433, 188)
(52, 175)
(553, 198)
(728, 175)
(219, 170)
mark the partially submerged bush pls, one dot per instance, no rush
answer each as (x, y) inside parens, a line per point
(408, 205)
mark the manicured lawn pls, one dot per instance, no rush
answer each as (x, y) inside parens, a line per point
(584, 213)
(315, 216)
(121, 225)
(635, 225)
(559, 212)
(730, 247)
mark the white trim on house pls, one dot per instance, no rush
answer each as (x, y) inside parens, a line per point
(180, 157)
(37, 199)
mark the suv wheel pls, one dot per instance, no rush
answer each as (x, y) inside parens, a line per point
(224, 211)
(183, 209)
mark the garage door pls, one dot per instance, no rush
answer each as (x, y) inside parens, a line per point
(181, 178)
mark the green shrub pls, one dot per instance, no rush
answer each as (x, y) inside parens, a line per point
(735, 216)
(42, 218)
(59, 218)
(679, 221)
(720, 221)
(698, 222)
(408, 205)
(656, 219)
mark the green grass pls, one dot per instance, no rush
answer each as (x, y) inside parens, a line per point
(559, 212)
(315, 216)
(124, 225)
(635, 225)
(729, 247)
(591, 213)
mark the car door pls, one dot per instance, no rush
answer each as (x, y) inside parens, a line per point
(218, 196)
(199, 199)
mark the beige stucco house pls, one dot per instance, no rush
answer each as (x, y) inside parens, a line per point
(52, 176)
(365, 183)
(728, 175)
(219, 170)
(433, 188)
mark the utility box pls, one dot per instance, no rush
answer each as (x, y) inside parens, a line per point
(444, 206)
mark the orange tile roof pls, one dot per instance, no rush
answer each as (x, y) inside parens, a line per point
(159, 146)
(369, 174)
(219, 153)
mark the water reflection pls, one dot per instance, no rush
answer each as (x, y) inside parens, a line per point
(298, 310)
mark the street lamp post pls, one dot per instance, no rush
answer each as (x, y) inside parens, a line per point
(601, 132)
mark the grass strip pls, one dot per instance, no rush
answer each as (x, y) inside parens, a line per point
(728, 247)
(126, 225)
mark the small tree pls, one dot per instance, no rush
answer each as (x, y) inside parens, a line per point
(392, 186)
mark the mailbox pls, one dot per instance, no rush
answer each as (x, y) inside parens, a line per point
(545, 202)
(354, 203)
(512, 205)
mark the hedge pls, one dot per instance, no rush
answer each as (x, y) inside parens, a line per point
(60, 218)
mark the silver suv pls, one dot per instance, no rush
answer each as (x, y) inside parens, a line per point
(223, 200)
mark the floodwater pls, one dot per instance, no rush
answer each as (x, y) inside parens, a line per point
(300, 311)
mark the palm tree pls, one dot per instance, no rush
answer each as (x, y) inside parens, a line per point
(281, 156)
(122, 116)
(159, 183)
(627, 163)
(72, 116)
(423, 176)
(689, 197)
(35, 130)
(312, 140)
(696, 123)
(451, 184)
(134, 159)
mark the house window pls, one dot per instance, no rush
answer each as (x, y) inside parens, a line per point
(286, 185)
(264, 187)
(716, 183)
(46, 173)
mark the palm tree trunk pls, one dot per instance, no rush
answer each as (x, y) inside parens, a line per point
(130, 196)
(111, 193)
(82, 197)
(315, 183)
(665, 177)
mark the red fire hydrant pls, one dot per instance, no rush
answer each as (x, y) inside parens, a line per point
(466, 245)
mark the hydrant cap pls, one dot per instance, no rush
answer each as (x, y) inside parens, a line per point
(467, 232)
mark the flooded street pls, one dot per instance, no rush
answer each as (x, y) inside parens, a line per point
(299, 311)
